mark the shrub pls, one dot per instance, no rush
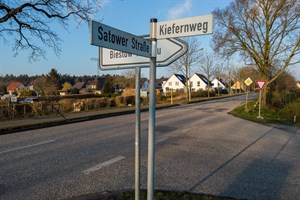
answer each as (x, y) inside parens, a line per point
(120, 101)
(66, 105)
(129, 100)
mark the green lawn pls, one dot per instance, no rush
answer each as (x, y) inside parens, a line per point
(284, 115)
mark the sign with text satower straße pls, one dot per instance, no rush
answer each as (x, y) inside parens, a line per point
(260, 84)
(112, 38)
(199, 25)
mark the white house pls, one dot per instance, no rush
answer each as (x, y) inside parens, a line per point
(198, 82)
(175, 82)
(145, 87)
(219, 83)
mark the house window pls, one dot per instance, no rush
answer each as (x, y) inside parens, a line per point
(191, 84)
(177, 83)
(198, 83)
(170, 83)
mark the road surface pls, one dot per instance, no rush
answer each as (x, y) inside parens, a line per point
(199, 148)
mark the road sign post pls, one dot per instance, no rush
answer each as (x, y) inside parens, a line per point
(260, 84)
(152, 108)
(137, 131)
(125, 43)
(248, 82)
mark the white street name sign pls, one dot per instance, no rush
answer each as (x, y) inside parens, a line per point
(112, 38)
(199, 25)
(168, 50)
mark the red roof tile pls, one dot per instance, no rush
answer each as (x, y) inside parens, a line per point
(13, 86)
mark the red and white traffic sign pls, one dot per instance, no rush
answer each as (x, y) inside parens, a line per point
(261, 84)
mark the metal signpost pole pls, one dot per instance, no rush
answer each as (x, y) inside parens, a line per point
(246, 105)
(259, 117)
(137, 131)
(152, 105)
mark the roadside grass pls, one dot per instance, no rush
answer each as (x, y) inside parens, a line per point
(285, 116)
(158, 195)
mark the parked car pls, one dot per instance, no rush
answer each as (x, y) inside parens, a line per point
(7, 96)
(29, 100)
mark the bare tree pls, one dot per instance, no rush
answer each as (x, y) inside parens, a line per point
(228, 70)
(218, 73)
(265, 32)
(26, 21)
(184, 64)
(208, 67)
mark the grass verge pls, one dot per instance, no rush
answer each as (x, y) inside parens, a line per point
(284, 116)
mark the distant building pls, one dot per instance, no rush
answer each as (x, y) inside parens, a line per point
(95, 86)
(144, 87)
(219, 83)
(14, 87)
(298, 84)
(238, 87)
(199, 82)
(79, 86)
(175, 83)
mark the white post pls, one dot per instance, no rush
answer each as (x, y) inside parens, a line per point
(137, 131)
(259, 116)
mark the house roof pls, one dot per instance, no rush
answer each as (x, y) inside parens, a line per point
(181, 78)
(99, 82)
(159, 82)
(79, 85)
(222, 81)
(13, 86)
(203, 78)
(143, 80)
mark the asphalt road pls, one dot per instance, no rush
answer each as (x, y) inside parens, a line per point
(199, 148)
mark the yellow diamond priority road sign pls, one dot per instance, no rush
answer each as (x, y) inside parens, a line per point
(248, 81)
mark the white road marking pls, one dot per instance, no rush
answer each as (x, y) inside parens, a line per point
(160, 140)
(28, 146)
(187, 129)
(104, 164)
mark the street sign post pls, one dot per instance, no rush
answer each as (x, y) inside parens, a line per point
(248, 82)
(261, 85)
(112, 38)
(125, 43)
(168, 50)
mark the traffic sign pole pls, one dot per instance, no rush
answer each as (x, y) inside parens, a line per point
(261, 84)
(248, 82)
(137, 131)
(259, 116)
(152, 105)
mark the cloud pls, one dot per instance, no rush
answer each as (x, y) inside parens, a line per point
(180, 9)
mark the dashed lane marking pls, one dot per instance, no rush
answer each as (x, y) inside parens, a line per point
(28, 146)
(104, 164)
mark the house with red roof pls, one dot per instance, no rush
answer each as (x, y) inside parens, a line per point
(14, 87)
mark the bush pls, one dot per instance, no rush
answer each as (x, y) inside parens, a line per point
(203, 93)
(66, 105)
(130, 100)
(120, 101)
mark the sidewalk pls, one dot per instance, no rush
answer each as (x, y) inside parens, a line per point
(16, 125)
